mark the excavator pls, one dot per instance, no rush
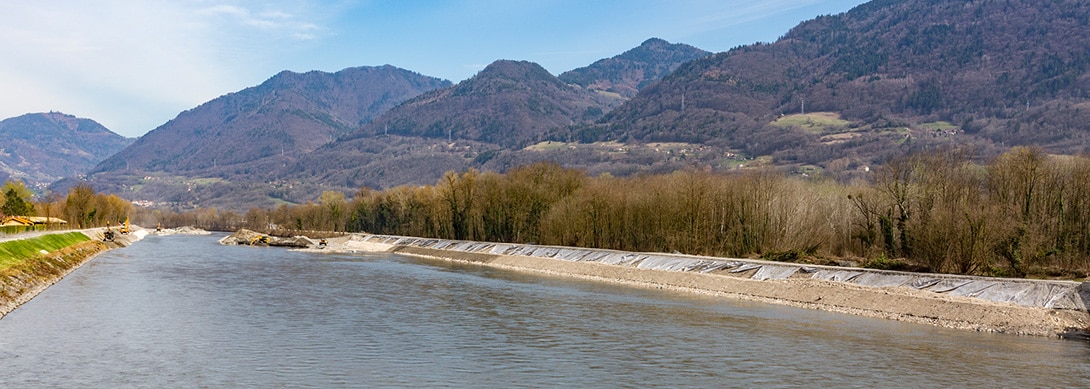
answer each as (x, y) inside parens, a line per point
(108, 235)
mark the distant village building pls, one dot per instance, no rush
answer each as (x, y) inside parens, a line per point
(30, 221)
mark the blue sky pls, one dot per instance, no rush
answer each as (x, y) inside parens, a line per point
(132, 65)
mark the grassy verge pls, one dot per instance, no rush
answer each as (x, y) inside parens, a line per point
(15, 251)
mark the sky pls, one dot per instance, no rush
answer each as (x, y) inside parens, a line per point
(132, 65)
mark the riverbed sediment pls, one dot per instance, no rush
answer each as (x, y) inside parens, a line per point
(1015, 306)
(22, 282)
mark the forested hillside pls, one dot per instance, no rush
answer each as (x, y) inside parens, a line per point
(229, 152)
(507, 104)
(898, 76)
(380, 128)
(40, 148)
(625, 74)
(833, 97)
(248, 132)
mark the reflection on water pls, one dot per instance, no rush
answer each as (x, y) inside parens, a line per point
(184, 311)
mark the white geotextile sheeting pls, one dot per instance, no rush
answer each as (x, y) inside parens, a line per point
(764, 271)
(1029, 294)
(1047, 294)
(836, 275)
(880, 280)
(922, 282)
(948, 284)
(499, 249)
(745, 267)
(774, 272)
(669, 263)
(721, 265)
(1025, 293)
(621, 259)
(571, 255)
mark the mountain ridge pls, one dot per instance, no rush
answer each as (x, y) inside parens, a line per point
(991, 73)
(833, 96)
(258, 127)
(632, 70)
(40, 148)
(508, 103)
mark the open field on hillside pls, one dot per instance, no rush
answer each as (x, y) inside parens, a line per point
(816, 122)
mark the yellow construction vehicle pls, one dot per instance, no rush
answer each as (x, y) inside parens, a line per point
(259, 239)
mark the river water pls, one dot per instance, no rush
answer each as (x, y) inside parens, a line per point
(184, 311)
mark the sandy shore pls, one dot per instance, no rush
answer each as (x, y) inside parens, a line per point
(800, 290)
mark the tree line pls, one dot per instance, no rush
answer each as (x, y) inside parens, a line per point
(81, 207)
(1021, 214)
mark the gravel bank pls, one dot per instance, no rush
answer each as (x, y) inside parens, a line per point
(1025, 307)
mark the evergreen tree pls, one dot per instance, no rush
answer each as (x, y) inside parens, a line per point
(16, 200)
(14, 205)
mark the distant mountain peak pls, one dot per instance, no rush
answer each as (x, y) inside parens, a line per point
(70, 122)
(247, 132)
(628, 72)
(507, 103)
(518, 70)
(655, 42)
(907, 75)
(40, 148)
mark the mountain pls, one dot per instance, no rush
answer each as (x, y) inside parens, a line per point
(248, 133)
(508, 104)
(884, 78)
(40, 148)
(834, 95)
(628, 72)
(227, 151)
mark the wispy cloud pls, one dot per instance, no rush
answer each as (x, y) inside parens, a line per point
(100, 59)
(267, 20)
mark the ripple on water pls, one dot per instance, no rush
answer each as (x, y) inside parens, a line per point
(185, 311)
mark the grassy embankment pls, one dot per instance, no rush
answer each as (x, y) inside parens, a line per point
(29, 265)
(15, 252)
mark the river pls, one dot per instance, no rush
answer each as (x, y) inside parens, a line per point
(185, 311)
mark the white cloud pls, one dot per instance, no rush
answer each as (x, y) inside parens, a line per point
(101, 59)
(266, 20)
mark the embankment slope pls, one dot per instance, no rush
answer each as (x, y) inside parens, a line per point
(28, 277)
(1028, 307)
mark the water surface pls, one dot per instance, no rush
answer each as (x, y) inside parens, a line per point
(185, 311)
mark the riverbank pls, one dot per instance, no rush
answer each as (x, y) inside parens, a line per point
(1015, 306)
(23, 280)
